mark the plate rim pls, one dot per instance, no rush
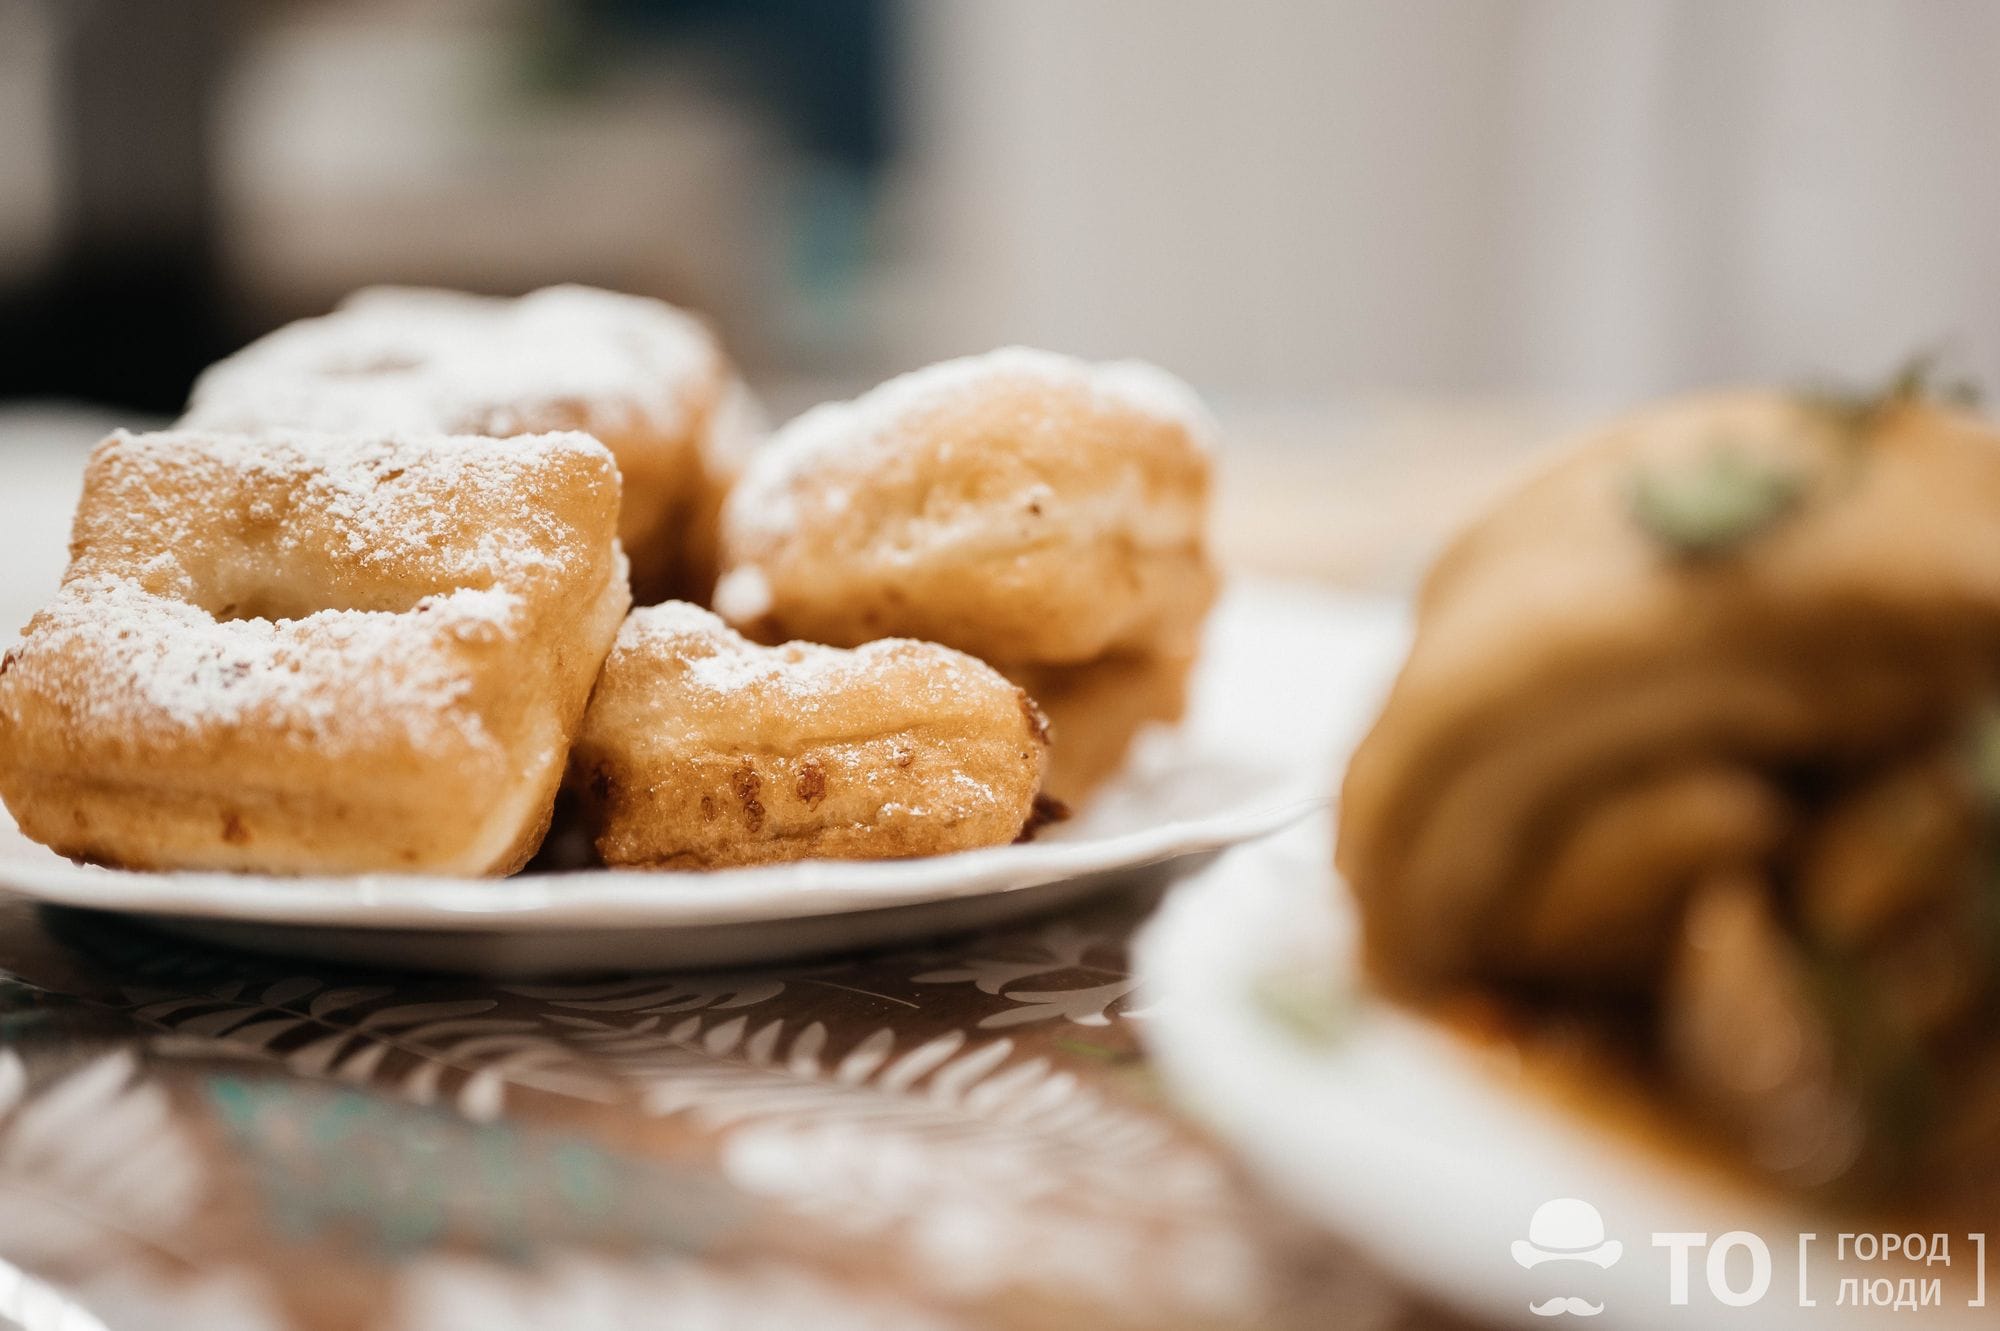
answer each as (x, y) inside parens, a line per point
(593, 898)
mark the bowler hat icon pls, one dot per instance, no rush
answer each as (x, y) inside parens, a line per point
(1567, 1230)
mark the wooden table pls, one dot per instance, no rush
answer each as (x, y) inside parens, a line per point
(963, 1134)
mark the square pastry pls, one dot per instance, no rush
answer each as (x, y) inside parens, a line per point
(301, 653)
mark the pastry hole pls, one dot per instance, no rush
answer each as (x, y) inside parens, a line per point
(281, 604)
(248, 590)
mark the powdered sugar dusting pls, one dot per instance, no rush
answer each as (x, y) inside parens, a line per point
(143, 664)
(397, 358)
(336, 590)
(1129, 384)
(715, 658)
(1147, 388)
(763, 501)
(369, 502)
(743, 594)
(719, 659)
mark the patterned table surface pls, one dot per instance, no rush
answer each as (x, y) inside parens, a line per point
(964, 1134)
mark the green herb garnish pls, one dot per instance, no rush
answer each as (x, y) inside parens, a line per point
(1306, 1003)
(1855, 413)
(1706, 506)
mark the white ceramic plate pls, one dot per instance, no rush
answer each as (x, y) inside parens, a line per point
(1251, 758)
(1423, 1151)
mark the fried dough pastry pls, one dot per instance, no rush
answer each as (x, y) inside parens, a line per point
(1700, 724)
(1021, 506)
(307, 653)
(647, 379)
(703, 750)
(1096, 711)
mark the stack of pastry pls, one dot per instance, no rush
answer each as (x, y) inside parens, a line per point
(366, 606)
(647, 380)
(1039, 512)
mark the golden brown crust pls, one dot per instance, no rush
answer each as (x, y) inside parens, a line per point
(648, 380)
(702, 750)
(1701, 727)
(1096, 711)
(1565, 652)
(307, 653)
(731, 431)
(1020, 506)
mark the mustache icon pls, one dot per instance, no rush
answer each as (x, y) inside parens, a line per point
(1561, 1306)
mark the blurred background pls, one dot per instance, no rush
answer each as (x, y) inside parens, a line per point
(1304, 206)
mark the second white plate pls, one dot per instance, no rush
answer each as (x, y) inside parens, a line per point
(1433, 1156)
